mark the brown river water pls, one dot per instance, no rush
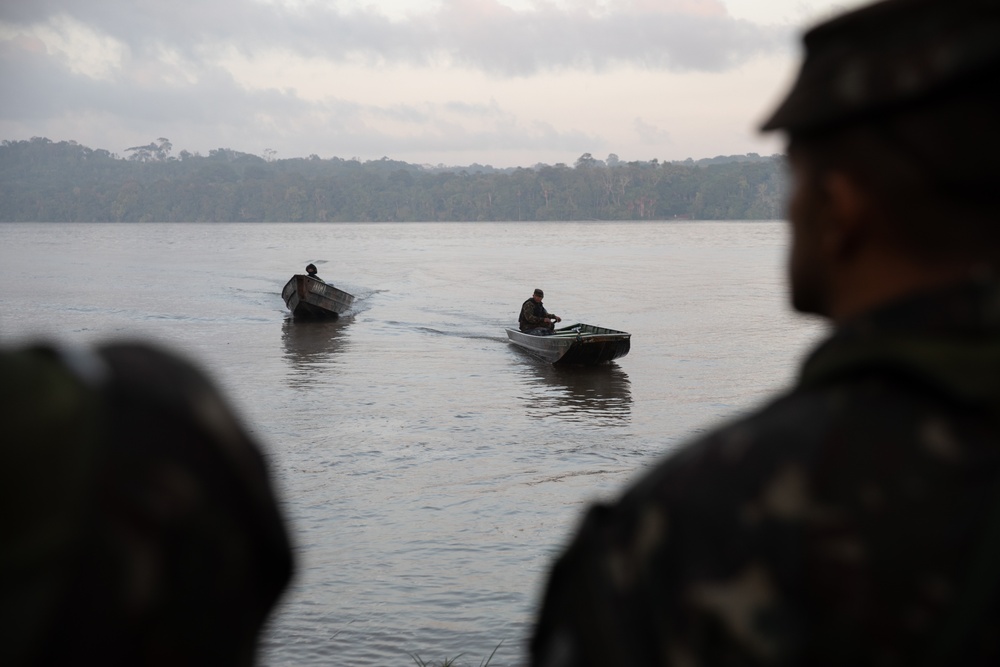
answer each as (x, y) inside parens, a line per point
(429, 469)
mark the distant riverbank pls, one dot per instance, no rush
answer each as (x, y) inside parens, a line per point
(45, 181)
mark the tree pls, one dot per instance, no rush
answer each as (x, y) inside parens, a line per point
(584, 161)
(154, 151)
(45, 181)
(163, 148)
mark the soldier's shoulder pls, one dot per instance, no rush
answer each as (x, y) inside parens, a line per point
(737, 454)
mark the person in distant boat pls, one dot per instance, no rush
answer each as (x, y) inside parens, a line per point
(534, 318)
(313, 272)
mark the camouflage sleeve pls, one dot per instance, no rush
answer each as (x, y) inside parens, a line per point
(528, 312)
(686, 569)
(833, 527)
(587, 619)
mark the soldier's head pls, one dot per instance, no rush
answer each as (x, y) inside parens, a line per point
(538, 295)
(311, 269)
(892, 134)
(140, 524)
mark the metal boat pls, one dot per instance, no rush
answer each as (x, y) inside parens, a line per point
(578, 343)
(309, 297)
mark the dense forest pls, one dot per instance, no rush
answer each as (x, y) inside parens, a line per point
(42, 180)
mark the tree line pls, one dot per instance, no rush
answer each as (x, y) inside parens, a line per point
(46, 181)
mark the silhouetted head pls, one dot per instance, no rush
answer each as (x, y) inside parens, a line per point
(893, 119)
(140, 526)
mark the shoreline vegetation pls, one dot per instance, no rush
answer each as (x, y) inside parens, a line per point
(453, 662)
(46, 181)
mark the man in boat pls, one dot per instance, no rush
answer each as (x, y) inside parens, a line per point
(140, 526)
(855, 519)
(534, 319)
(313, 272)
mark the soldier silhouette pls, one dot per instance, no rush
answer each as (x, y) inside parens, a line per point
(854, 519)
(140, 527)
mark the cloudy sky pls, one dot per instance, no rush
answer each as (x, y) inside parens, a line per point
(500, 82)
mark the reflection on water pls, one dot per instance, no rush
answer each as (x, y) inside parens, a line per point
(594, 394)
(310, 345)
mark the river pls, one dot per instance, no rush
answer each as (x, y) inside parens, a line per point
(430, 471)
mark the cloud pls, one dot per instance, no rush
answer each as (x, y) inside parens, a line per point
(455, 77)
(650, 135)
(522, 43)
(481, 34)
(215, 111)
(33, 85)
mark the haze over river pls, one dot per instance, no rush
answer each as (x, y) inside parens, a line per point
(430, 470)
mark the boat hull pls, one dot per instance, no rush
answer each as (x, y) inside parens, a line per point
(583, 344)
(310, 298)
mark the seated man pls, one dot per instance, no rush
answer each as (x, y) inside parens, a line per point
(534, 319)
(313, 272)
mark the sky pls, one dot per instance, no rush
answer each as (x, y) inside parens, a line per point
(442, 82)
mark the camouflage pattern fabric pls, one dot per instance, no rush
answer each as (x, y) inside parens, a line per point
(852, 521)
(533, 316)
(139, 522)
(888, 56)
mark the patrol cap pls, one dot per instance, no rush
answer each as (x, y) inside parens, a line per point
(890, 56)
(539, 292)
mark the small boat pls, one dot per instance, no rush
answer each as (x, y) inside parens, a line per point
(309, 297)
(576, 344)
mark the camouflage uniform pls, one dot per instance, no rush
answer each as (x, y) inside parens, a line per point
(842, 520)
(139, 522)
(532, 317)
(855, 520)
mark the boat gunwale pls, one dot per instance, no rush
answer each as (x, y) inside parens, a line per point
(567, 345)
(305, 299)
